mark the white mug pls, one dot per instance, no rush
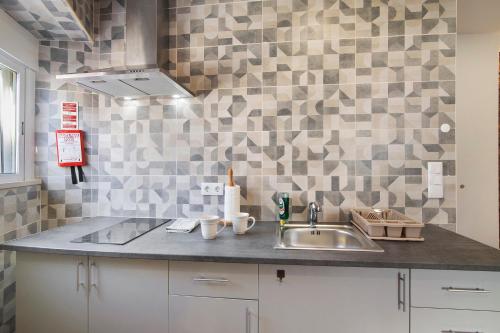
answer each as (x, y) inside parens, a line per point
(209, 226)
(240, 223)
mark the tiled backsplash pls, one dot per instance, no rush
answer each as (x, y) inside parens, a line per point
(338, 101)
(61, 200)
(19, 216)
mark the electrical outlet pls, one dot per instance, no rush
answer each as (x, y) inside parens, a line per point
(212, 189)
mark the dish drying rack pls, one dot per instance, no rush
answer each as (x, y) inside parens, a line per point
(387, 224)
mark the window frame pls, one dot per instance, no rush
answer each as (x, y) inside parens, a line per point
(21, 101)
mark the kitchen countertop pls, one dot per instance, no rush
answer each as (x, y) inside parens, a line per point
(441, 249)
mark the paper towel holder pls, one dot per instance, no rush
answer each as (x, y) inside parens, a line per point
(231, 198)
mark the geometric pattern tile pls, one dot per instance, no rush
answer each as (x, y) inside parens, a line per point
(20, 216)
(62, 20)
(335, 101)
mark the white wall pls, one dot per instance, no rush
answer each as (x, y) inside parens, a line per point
(477, 136)
(18, 42)
(478, 16)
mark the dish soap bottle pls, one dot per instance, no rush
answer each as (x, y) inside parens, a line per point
(283, 207)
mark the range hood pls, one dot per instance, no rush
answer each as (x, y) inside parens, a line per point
(146, 58)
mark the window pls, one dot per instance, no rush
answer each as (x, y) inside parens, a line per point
(12, 106)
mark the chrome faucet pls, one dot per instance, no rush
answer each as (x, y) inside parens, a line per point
(314, 209)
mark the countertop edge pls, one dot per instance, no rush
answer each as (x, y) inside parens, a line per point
(251, 260)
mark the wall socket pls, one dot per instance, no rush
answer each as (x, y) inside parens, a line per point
(212, 188)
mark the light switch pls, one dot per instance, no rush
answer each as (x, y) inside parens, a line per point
(435, 184)
(435, 168)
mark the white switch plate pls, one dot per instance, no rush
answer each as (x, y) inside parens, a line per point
(435, 168)
(212, 188)
(435, 186)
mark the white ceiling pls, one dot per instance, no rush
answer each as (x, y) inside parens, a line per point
(478, 16)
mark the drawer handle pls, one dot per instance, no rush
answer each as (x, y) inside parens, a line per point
(80, 280)
(93, 275)
(211, 280)
(402, 283)
(467, 290)
(452, 331)
(248, 321)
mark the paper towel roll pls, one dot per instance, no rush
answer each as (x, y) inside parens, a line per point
(231, 202)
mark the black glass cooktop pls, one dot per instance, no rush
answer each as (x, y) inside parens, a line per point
(123, 232)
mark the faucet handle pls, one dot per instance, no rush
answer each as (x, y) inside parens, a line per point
(314, 206)
(314, 209)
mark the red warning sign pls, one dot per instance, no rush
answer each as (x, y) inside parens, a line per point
(69, 115)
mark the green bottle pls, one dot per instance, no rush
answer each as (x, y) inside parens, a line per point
(284, 206)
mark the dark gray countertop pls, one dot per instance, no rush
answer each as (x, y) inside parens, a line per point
(440, 250)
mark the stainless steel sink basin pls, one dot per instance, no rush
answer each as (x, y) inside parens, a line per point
(332, 237)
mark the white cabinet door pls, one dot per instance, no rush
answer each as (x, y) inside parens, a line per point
(333, 299)
(454, 321)
(128, 296)
(190, 314)
(51, 293)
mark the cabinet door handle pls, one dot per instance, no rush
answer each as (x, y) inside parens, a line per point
(401, 293)
(453, 331)
(211, 280)
(93, 275)
(248, 320)
(467, 290)
(80, 280)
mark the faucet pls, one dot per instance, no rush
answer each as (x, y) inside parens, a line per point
(314, 209)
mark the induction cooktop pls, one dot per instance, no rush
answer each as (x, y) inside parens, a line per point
(123, 232)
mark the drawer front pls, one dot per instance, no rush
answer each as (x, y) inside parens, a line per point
(455, 290)
(214, 279)
(189, 314)
(454, 321)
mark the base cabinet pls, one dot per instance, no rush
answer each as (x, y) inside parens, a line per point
(190, 314)
(128, 296)
(72, 294)
(51, 293)
(333, 299)
(454, 321)
(67, 294)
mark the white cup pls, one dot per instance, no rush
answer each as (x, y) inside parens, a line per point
(209, 226)
(240, 223)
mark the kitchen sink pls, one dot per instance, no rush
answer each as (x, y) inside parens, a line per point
(330, 237)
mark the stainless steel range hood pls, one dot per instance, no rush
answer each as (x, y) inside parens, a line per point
(146, 58)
